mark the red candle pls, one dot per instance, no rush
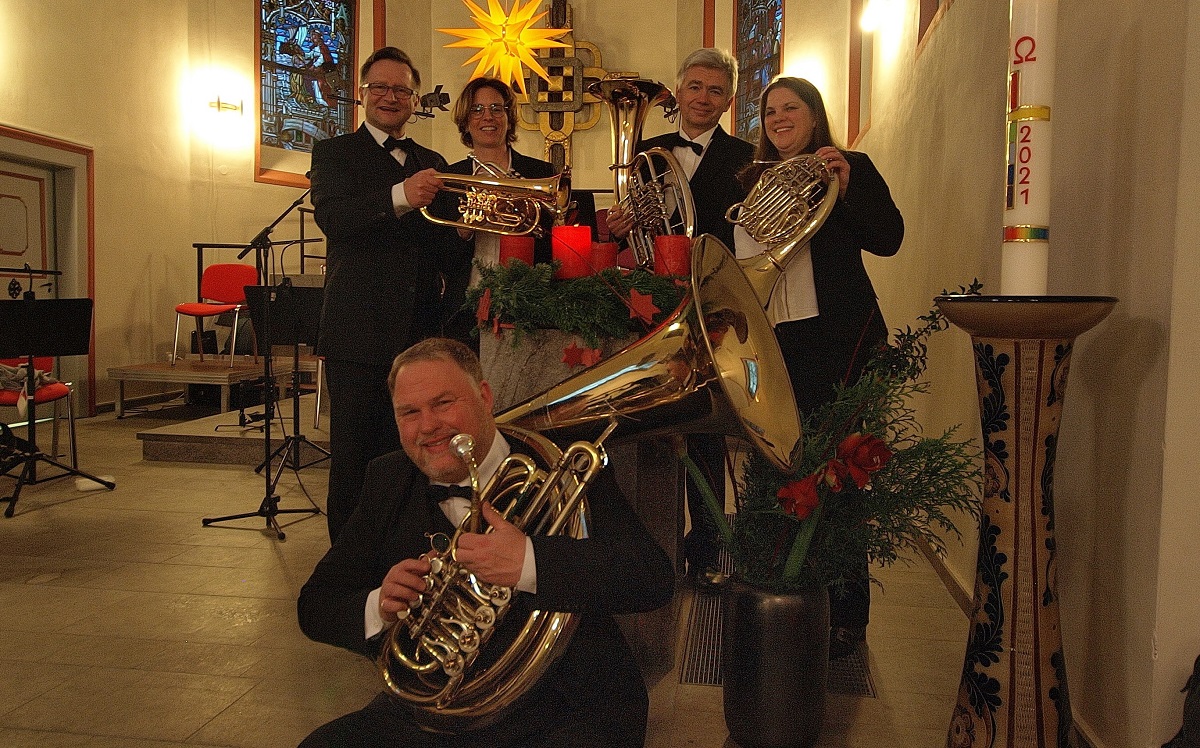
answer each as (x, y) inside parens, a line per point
(516, 248)
(672, 255)
(604, 255)
(572, 247)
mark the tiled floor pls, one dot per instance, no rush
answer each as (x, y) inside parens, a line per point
(124, 622)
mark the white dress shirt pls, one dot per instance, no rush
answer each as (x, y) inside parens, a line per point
(688, 158)
(795, 294)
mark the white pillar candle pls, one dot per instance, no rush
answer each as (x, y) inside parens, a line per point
(1025, 254)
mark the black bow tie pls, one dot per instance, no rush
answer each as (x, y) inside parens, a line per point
(678, 141)
(437, 494)
(391, 144)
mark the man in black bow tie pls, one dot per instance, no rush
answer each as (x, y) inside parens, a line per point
(594, 695)
(385, 267)
(711, 159)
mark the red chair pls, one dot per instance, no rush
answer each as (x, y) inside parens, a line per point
(225, 284)
(47, 393)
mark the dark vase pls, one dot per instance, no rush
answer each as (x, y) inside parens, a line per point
(774, 664)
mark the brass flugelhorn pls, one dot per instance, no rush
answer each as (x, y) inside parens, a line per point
(651, 185)
(782, 211)
(498, 204)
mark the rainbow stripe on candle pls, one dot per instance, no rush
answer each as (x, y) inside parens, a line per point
(1026, 233)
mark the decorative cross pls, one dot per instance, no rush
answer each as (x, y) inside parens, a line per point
(562, 105)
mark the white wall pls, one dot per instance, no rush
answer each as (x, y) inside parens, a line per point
(1123, 223)
(111, 76)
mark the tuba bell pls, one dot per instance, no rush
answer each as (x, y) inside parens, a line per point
(651, 185)
(499, 204)
(782, 211)
(712, 366)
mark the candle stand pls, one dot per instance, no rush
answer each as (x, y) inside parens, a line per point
(1013, 690)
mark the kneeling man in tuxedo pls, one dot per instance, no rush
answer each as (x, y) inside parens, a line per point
(594, 695)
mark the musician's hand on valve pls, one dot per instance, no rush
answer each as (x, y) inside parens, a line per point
(838, 165)
(497, 557)
(619, 222)
(402, 587)
(420, 188)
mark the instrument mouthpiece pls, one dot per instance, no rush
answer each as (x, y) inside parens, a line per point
(463, 445)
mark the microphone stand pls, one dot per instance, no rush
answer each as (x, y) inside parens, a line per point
(269, 507)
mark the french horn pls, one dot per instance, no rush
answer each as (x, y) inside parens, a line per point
(651, 185)
(783, 210)
(712, 366)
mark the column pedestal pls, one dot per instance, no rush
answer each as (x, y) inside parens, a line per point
(1014, 682)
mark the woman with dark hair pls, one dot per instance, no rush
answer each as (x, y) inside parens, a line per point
(824, 310)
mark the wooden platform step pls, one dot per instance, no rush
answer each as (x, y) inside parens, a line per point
(221, 439)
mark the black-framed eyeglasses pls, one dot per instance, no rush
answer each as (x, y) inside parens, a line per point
(477, 110)
(381, 89)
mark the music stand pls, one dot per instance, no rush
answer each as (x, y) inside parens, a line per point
(43, 327)
(266, 304)
(295, 320)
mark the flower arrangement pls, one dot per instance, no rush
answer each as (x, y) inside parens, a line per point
(868, 483)
(610, 304)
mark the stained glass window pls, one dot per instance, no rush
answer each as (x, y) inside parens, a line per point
(759, 54)
(306, 76)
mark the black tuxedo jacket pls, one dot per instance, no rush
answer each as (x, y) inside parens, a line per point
(715, 186)
(865, 220)
(596, 688)
(383, 274)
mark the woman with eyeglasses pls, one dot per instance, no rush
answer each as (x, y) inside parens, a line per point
(486, 116)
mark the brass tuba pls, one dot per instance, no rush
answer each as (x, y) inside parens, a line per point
(650, 185)
(783, 210)
(713, 366)
(499, 204)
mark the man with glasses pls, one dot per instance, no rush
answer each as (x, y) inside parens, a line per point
(386, 266)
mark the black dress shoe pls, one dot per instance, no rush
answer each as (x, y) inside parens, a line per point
(844, 641)
(710, 580)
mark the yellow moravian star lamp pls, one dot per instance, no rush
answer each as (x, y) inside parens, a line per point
(506, 41)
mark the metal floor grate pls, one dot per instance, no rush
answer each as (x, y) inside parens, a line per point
(850, 676)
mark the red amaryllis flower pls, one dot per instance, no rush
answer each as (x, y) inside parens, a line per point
(862, 454)
(834, 473)
(799, 497)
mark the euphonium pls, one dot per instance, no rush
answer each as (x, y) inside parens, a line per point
(429, 658)
(783, 210)
(499, 204)
(650, 185)
(712, 366)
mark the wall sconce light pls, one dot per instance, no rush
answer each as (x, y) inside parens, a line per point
(225, 106)
(214, 100)
(885, 19)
